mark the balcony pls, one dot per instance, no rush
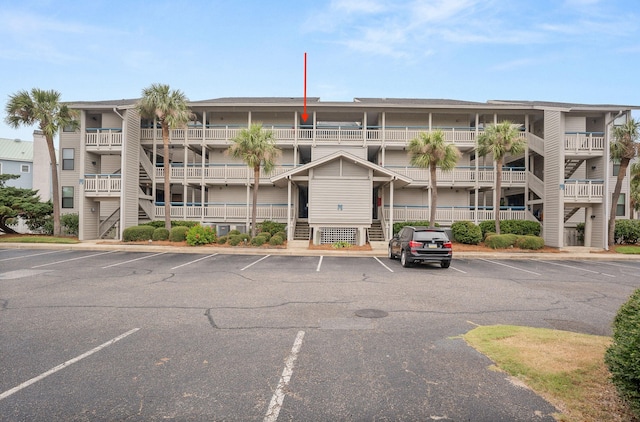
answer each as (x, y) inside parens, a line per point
(103, 139)
(224, 212)
(586, 144)
(576, 191)
(349, 135)
(102, 185)
(219, 173)
(465, 176)
(448, 215)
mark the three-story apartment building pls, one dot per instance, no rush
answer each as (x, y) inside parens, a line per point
(343, 174)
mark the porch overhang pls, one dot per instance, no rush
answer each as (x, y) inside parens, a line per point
(380, 174)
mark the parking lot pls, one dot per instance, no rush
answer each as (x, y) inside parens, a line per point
(118, 335)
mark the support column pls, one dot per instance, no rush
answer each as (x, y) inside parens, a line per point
(391, 209)
(289, 219)
(588, 226)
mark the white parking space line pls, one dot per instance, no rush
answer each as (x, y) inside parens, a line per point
(381, 263)
(194, 261)
(255, 262)
(460, 271)
(278, 397)
(132, 260)
(319, 264)
(618, 265)
(64, 365)
(71, 259)
(510, 266)
(35, 254)
(578, 268)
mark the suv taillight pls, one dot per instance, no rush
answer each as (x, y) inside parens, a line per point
(414, 245)
(447, 245)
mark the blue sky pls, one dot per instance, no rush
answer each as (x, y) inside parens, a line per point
(585, 51)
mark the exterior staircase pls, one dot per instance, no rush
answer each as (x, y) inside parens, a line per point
(301, 231)
(570, 167)
(376, 234)
(568, 213)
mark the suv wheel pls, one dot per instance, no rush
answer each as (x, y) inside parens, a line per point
(403, 260)
(391, 254)
(445, 264)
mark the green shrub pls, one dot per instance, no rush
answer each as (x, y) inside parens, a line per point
(222, 240)
(282, 234)
(266, 235)
(501, 241)
(627, 231)
(623, 356)
(530, 242)
(487, 234)
(234, 232)
(521, 227)
(340, 244)
(160, 234)
(399, 225)
(271, 227)
(234, 240)
(488, 226)
(178, 234)
(276, 240)
(174, 223)
(199, 235)
(137, 233)
(466, 232)
(245, 237)
(70, 224)
(258, 241)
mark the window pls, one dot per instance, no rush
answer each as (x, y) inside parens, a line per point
(620, 207)
(67, 197)
(25, 168)
(616, 167)
(67, 158)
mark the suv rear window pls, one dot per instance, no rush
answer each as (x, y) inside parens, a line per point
(430, 236)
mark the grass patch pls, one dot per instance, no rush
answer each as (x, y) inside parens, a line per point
(565, 368)
(629, 249)
(36, 239)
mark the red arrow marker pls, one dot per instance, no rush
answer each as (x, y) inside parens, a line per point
(305, 116)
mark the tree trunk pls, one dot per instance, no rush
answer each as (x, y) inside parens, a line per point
(55, 185)
(167, 176)
(434, 196)
(624, 163)
(254, 208)
(498, 194)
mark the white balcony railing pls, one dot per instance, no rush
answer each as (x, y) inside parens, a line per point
(464, 175)
(102, 184)
(583, 190)
(224, 212)
(103, 138)
(220, 172)
(448, 215)
(584, 142)
(463, 137)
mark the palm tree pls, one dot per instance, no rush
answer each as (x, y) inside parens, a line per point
(624, 148)
(430, 150)
(499, 140)
(43, 108)
(256, 147)
(170, 109)
(634, 197)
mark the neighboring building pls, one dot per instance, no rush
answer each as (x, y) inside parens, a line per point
(345, 173)
(16, 157)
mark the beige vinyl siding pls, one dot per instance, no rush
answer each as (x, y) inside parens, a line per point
(407, 119)
(340, 201)
(225, 118)
(228, 194)
(450, 120)
(130, 170)
(553, 178)
(273, 118)
(322, 151)
(396, 158)
(575, 124)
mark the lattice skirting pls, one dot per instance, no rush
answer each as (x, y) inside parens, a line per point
(338, 234)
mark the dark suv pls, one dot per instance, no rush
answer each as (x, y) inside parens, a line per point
(421, 244)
